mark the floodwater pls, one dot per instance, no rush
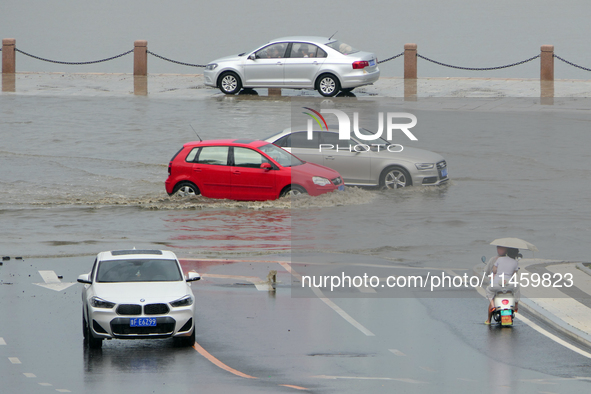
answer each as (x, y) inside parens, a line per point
(460, 33)
(84, 174)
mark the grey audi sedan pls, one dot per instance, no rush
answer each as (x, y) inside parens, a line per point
(362, 163)
(302, 62)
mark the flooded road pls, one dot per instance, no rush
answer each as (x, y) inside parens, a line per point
(84, 174)
(80, 175)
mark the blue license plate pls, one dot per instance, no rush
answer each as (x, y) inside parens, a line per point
(372, 62)
(506, 312)
(444, 173)
(142, 322)
(341, 188)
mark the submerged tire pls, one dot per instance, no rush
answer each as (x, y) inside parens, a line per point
(395, 178)
(185, 189)
(293, 190)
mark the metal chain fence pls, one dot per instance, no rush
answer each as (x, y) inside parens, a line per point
(73, 63)
(478, 68)
(174, 61)
(379, 62)
(391, 58)
(572, 64)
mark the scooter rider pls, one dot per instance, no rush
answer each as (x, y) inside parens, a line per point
(503, 267)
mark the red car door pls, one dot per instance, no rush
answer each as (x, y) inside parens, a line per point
(249, 180)
(211, 172)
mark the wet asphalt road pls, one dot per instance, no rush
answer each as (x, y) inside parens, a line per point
(272, 342)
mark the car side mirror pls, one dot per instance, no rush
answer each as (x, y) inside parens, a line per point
(85, 278)
(252, 56)
(193, 276)
(266, 166)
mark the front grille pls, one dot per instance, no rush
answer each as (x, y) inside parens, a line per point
(441, 165)
(337, 181)
(129, 309)
(164, 326)
(156, 309)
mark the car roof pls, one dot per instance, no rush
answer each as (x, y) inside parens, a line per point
(130, 254)
(228, 142)
(314, 39)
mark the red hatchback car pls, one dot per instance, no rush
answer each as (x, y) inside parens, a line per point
(246, 170)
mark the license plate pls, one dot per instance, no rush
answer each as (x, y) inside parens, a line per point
(444, 173)
(506, 320)
(506, 312)
(341, 188)
(143, 322)
(372, 63)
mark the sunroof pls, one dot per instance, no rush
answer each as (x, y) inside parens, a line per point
(124, 252)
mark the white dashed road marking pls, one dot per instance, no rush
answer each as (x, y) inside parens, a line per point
(14, 360)
(2, 342)
(397, 352)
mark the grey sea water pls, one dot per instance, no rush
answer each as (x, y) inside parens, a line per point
(456, 32)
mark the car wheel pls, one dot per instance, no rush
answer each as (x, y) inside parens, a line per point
(185, 189)
(293, 190)
(93, 343)
(185, 341)
(229, 83)
(394, 178)
(328, 85)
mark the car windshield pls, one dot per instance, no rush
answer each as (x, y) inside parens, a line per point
(283, 157)
(343, 48)
(138, 270)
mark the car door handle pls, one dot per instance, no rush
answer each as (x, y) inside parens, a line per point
(279, 63)
(236, 172)
(197, 169)
(329, 157)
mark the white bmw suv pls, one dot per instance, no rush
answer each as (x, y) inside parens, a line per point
(137, 294)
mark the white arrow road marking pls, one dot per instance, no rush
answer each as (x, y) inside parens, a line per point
(52, 282)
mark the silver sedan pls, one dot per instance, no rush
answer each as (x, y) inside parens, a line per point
(378, 164)
(324, 64)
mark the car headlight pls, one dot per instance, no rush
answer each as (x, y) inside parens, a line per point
(424, 166)
(320, 181)
(98, 302)
(185, 301)
(211, 66)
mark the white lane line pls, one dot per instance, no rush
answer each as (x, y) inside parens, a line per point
(368, 289)
(406, 380)
(397, 352)
(331, 304)
(2, 342)
(63, 390)
(544, 332)
(552, 336)
(14, 360)
(29, 375)
(45, 384)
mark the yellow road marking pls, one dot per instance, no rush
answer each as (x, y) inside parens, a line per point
(220, 364)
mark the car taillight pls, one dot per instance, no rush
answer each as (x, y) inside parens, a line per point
(360, 64)
(169, 167)
(505, 302)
